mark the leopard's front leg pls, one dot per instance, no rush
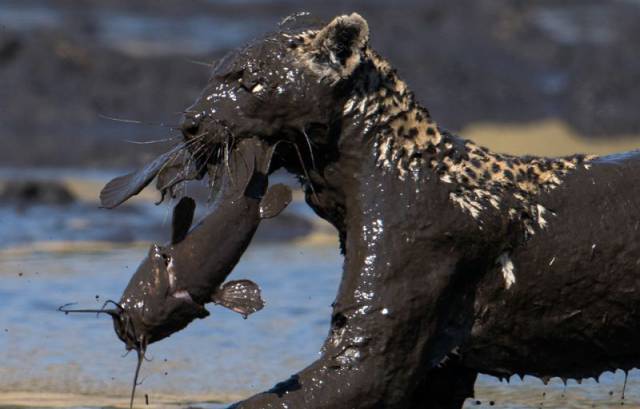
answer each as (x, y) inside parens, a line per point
(402, 306)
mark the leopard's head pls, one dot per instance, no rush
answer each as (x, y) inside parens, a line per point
(287, 88)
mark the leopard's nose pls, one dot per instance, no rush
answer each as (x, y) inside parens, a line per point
(189, 126)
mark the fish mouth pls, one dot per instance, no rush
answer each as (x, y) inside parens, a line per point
(125, 329)
(136, 332)
(123, 323)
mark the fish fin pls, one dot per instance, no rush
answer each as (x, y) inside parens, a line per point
(274, 201)
(241, 296)
(182, 219)
(118, 190)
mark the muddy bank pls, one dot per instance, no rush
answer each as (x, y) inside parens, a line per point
(501, 61)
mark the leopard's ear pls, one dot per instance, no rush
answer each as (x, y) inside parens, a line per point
(339, 45)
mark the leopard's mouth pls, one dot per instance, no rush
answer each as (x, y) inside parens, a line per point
(206, 152)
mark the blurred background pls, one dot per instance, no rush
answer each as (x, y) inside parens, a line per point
(90, 89)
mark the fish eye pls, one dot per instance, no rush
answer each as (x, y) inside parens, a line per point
(252, 87)
(127, 330)
(251, 83)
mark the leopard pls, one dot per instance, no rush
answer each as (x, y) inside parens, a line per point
(458, 260)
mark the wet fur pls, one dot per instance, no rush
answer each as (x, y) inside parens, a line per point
(458, 260)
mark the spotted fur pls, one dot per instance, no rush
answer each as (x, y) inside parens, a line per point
(408, 141)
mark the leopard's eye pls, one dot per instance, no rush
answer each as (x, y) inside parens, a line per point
(254, 86)
(235, 75)
(167, 259)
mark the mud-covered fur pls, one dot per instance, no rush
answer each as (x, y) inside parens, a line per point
(409, 142)
(458, 260)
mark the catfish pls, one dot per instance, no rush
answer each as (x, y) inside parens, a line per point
(174, 282)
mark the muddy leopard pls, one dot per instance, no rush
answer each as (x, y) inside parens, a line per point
(457, 260)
